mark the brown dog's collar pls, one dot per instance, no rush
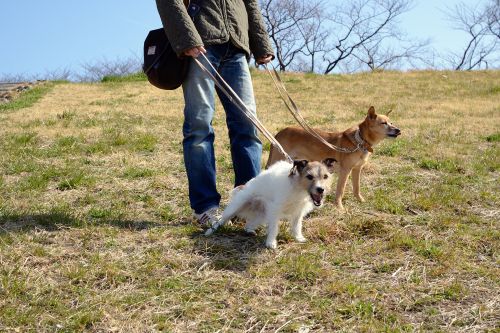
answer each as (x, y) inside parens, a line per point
(362, 144)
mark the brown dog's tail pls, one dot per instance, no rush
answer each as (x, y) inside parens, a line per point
(275, 154)
(272, 152)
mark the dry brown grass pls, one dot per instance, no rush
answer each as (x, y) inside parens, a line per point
(95, 230)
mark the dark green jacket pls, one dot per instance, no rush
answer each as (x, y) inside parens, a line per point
(217, 22)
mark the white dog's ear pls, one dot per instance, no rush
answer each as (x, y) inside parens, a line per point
(329, 162)
(298, 166)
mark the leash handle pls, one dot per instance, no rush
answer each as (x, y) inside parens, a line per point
(233, 97)
(294, 110)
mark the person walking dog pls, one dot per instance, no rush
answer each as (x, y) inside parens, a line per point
(227, 32)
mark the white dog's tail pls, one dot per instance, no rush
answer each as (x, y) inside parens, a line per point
(236, 190)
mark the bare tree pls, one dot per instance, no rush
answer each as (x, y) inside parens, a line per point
(482, 27)
(315, 36)
(95, 71)
(393, 51)
(362, 24)
(284, 20)
(60, 74)
(310, 36)
(12, 78)
(493, 17)
(90, 71)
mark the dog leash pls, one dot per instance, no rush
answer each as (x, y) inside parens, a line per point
(294, 110)
(233, 97)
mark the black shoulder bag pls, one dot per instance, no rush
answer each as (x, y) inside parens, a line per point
(162, 66)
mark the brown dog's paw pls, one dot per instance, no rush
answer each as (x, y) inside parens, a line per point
(360, 198)
(340, 207)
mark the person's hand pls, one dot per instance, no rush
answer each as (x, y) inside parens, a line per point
(265, 59)
(195, 51)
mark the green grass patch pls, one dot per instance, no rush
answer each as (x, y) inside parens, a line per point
(35, 182)
(360, 309)
(423, 247)
(74, 180)
(144, 142)
(385, 201)
(22, 139)
(68, 177)
(488, 161)
(19, 165)
(404, 181)
(493, 90)
(87, 121)
(99, 213)
(128, 139)
(495, 137)
(440, 196)
(447, 165)
(454, 291)
(303, 267)
(167, 213)
(137, 172)
(392, 148)
(67, 141)
(116, 136)
(136, 77)
(98, 147)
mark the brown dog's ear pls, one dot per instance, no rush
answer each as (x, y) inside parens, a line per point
(298, 166)
(371, 113)
(329, 162)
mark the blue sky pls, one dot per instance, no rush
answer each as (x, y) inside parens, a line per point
(43, 36)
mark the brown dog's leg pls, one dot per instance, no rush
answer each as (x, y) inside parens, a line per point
(356, 176)
(343, 175)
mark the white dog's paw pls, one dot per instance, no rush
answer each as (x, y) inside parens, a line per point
(272, 244)
(250, 232)
(300, 239)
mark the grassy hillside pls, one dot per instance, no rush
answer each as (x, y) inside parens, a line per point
(96, 233)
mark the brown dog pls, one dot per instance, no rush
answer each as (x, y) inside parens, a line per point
(301, 145)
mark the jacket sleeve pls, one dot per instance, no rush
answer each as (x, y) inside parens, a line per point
(260, 44)
(178, 26)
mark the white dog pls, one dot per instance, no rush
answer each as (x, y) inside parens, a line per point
(282, 191)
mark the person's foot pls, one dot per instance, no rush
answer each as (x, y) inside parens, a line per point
(208, 217)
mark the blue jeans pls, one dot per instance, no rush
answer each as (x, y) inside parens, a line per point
(199, 96)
